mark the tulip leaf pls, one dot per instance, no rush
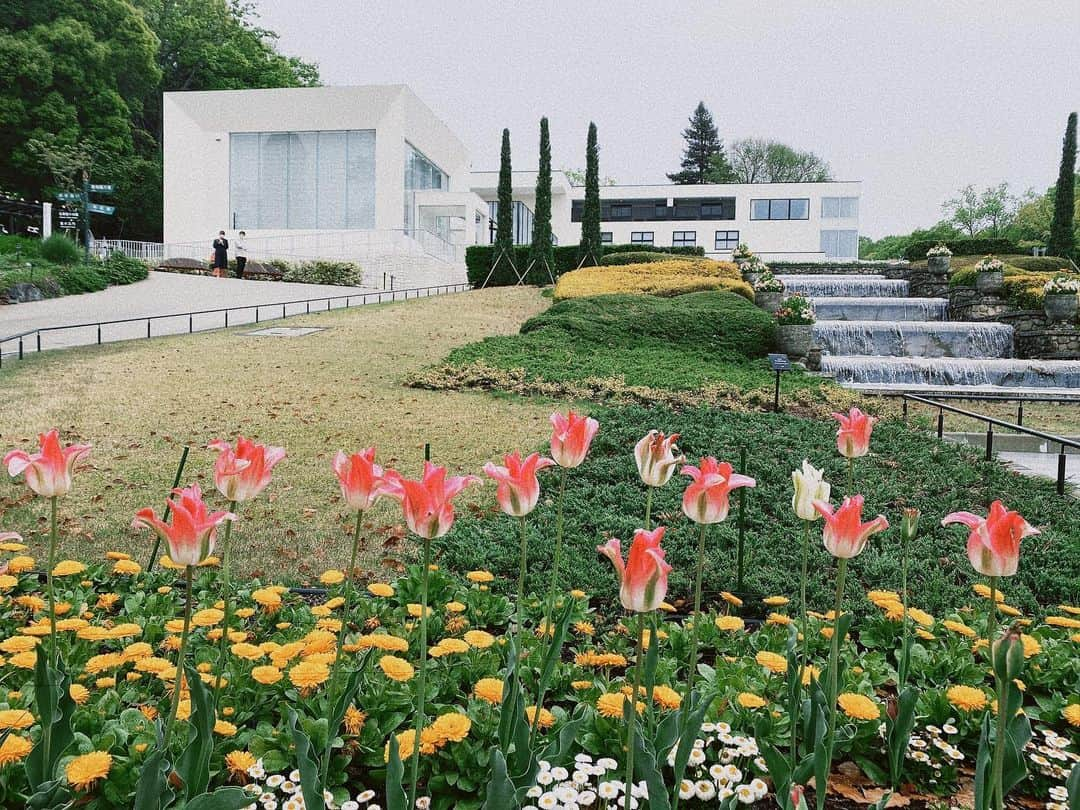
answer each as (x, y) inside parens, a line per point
(1017, 735)
(1073, 786)
(899, 732)
(692, 717)
(54, 710)
(500, 790)
(982, 766)
(229, 798)
(308, 765)
(49, 795)
(395, 776)
(193, 766)
(647, 768)
(152, 791)
(554, 650)
(779, 772)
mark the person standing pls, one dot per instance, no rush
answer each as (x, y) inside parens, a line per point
(221, 256)
(241, 254)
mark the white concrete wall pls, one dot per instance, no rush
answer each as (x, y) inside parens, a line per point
(486, 185)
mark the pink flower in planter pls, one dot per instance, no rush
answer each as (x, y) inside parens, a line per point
(994, 543)
(518, 489)
(845, 534)
(362, 480)
(240, 474)
(49, 471)
(657, 456)
(428, 504)
(193, 531)
(643, 579)
(853, 435)
(706, 497)
(571, 436)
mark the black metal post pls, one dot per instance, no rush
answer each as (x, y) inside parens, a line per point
(226, 319)
(1020, 413)
(99, 334)
(282, 310)
(256, 314)
(940, 422)
(20, 348)
(168, 507)
(427, 451)
(148, 327)
(1061, 471)
(776, 393)
(905, 408)
(38, 341)
(989, 441)
(190, 324)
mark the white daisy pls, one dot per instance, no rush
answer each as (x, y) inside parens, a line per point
(704, 789)
(686, 789)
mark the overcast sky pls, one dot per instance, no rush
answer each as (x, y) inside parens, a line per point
(916, 99)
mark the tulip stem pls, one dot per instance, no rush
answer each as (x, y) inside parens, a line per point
(692, 663)
(226, 599)
(522, 562)
(421, 683)
(53, 538)
(549, 604)
(834, 665)
(997, 794)
(905, 648)
(632, 725)
(648, 509)
(805, 632)
(178, 683)
(341, 640)
(851, 476)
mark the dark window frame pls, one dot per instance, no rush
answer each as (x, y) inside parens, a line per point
(788, 201)
(679, 239)
(638, 237)
(606, 238)
(728, 240)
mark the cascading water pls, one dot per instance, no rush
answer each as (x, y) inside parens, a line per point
(844, 286)
(953, 371)
(880, 309)
(914, 338)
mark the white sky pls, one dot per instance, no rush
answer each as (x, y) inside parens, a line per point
(916, 99)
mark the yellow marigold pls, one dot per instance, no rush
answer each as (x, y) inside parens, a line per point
(580, 686)
(983, 590)
(331, 625)
(406, 741)
(37, 629)
(893, 610)
(1063, 621)
(776, 601)
(308, 675)
(577, 593)
(7, 582)
(1031, 645)
(959, 627)
(882, 596)
(100, 663)
(237, 764)
(72, 624)
(12, 545)
(15, 718)
(1071, 713)
(14, 749)
(730, 623)
(808, 673)
(127, 568)
(380, 589)
(268, 598)
(748, 700)
(266, 675)
(771, 661)
(17, 644)
(249, 652)
(396, 669)
(152, 664)
(731, 598)
(137, 650)
(480, 576)
(332, 577)
(921, 616)
(320, 611)
(67, 568)
(354, 720)
(924, 635)
(83, 771)
(244, 613)
(207, 617)
(450, 727)
(599, 659)
(479, 639)
(1073, 609)
(382, 641)
(1009, 610)
(105, 683)
(117, 555)
(666, 698)
(778, 619)
(547, 719)
(79, 693)
(454, 645)
(610, 704)
(318, 641)
(966, 698)
(106, 601)
(455, 607)
(20, 565)
(414, 609)
(858, 707)
(224, 728)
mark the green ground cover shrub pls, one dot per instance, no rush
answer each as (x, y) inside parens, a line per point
(25, 246)
(58, 249)
(634, 257)
(344, 274)
(906, 468)
(119, 268)
(80, 278)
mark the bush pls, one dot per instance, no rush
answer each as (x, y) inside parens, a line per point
(633, 257)
(26, 247)
(80, 278)
(340, 273)
(667, 278)
(673, 250)
(119, 268)
(1039, 264)
(916, 251)
(58, 249)
(478, 260)
(1022, 288)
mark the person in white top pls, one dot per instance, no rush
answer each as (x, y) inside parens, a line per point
(240, 251)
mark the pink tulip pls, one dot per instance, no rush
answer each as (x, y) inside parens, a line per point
(193, 531)
(853, 435)
(240, 474)
(798, 801)
(48, 472)
(643, 579)
(845, 534)
(428, 504)
(362, 480)
(657, 456)
(12, 536)
(518, 489)
(571, 436)
(706, 497)
(994, 543)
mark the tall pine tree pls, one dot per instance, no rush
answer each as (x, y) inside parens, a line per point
(589, 246)
(703, 159)
(504, 211)
(1062, 240)
(542, 252)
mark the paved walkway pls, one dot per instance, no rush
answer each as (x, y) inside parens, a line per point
(160, 294)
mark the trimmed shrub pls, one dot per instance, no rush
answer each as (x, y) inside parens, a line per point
(1037, 264)
(636, 247)
(80, 278)
(478, 259)
(977, 246)
(342, 274)
(634, 257)
(1022, 288)
(119, 268)
(672, 277)
(58, 249)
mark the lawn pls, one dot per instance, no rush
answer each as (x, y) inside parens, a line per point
(139, 402)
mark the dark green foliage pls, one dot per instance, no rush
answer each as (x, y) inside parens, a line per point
(120, 268)
(27, 248)
(504, 215)
(590, 248)
(893, 247)
(1037, 264)
(703, 159)
(606, 498)
(479, 258)
(977, 246)
(635, 257)
(80, 278)
(323, 271)
(677, 250)
(541, 252)
(1062, 239)
(58, 249)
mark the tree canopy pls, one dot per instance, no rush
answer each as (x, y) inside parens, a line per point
(758, 160)
(703, 158)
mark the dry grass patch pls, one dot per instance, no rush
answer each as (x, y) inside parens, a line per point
(138, 403)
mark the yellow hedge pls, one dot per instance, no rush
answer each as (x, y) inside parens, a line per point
(669, 278)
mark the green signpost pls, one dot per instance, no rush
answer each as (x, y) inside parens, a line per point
(87, 207)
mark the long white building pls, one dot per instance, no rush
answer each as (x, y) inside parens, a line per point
(371, 172)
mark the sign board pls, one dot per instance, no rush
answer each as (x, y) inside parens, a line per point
(98, 208)
(102, 188)
(69, 196)
(779, 362)
(69, 220)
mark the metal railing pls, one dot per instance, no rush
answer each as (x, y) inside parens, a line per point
(34, 336)
(1019, 399)
(991, 422)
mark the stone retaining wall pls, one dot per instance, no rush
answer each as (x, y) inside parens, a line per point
(887, 269)
(1034, 336)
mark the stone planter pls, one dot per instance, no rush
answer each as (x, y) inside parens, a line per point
(768, 300)
(938, 265)
(989, 281)
(750, 278)
(1058, 306)
(794, 339)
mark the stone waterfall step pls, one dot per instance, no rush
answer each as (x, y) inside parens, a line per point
(917, 339)
(880, 309)
(848, 286)
(930, 374)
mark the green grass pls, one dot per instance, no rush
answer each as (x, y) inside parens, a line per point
(906, 469)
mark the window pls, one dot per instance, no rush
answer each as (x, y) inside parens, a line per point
(621, 211)
(683, 238)
(605, 237)
(420, 174)
(521, 226)
(292, 180)
(780, 209)
(840, 244)
(839, 207)
(727, 240)
(641, 237)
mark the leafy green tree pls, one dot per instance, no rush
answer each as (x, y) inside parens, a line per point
(1062, 240)
(703, 159)
(504, 212)
(590, 248)
(542, 251)
(757, 160)
(989, 212)
(893, 247)
(1035, 215)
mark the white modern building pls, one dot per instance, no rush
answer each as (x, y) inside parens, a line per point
(371, 172)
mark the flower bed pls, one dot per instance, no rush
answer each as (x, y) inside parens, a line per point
(123, 688)
(666, 278)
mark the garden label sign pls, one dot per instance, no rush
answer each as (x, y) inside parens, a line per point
(83, 200)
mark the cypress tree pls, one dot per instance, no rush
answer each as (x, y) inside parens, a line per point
(504, 212)
(589, 247)
(542, 252)
(1062, 240)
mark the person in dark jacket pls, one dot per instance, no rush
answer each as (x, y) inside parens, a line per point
(221, 256)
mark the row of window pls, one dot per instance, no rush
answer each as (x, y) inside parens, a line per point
(702, 208)
(723, 240)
